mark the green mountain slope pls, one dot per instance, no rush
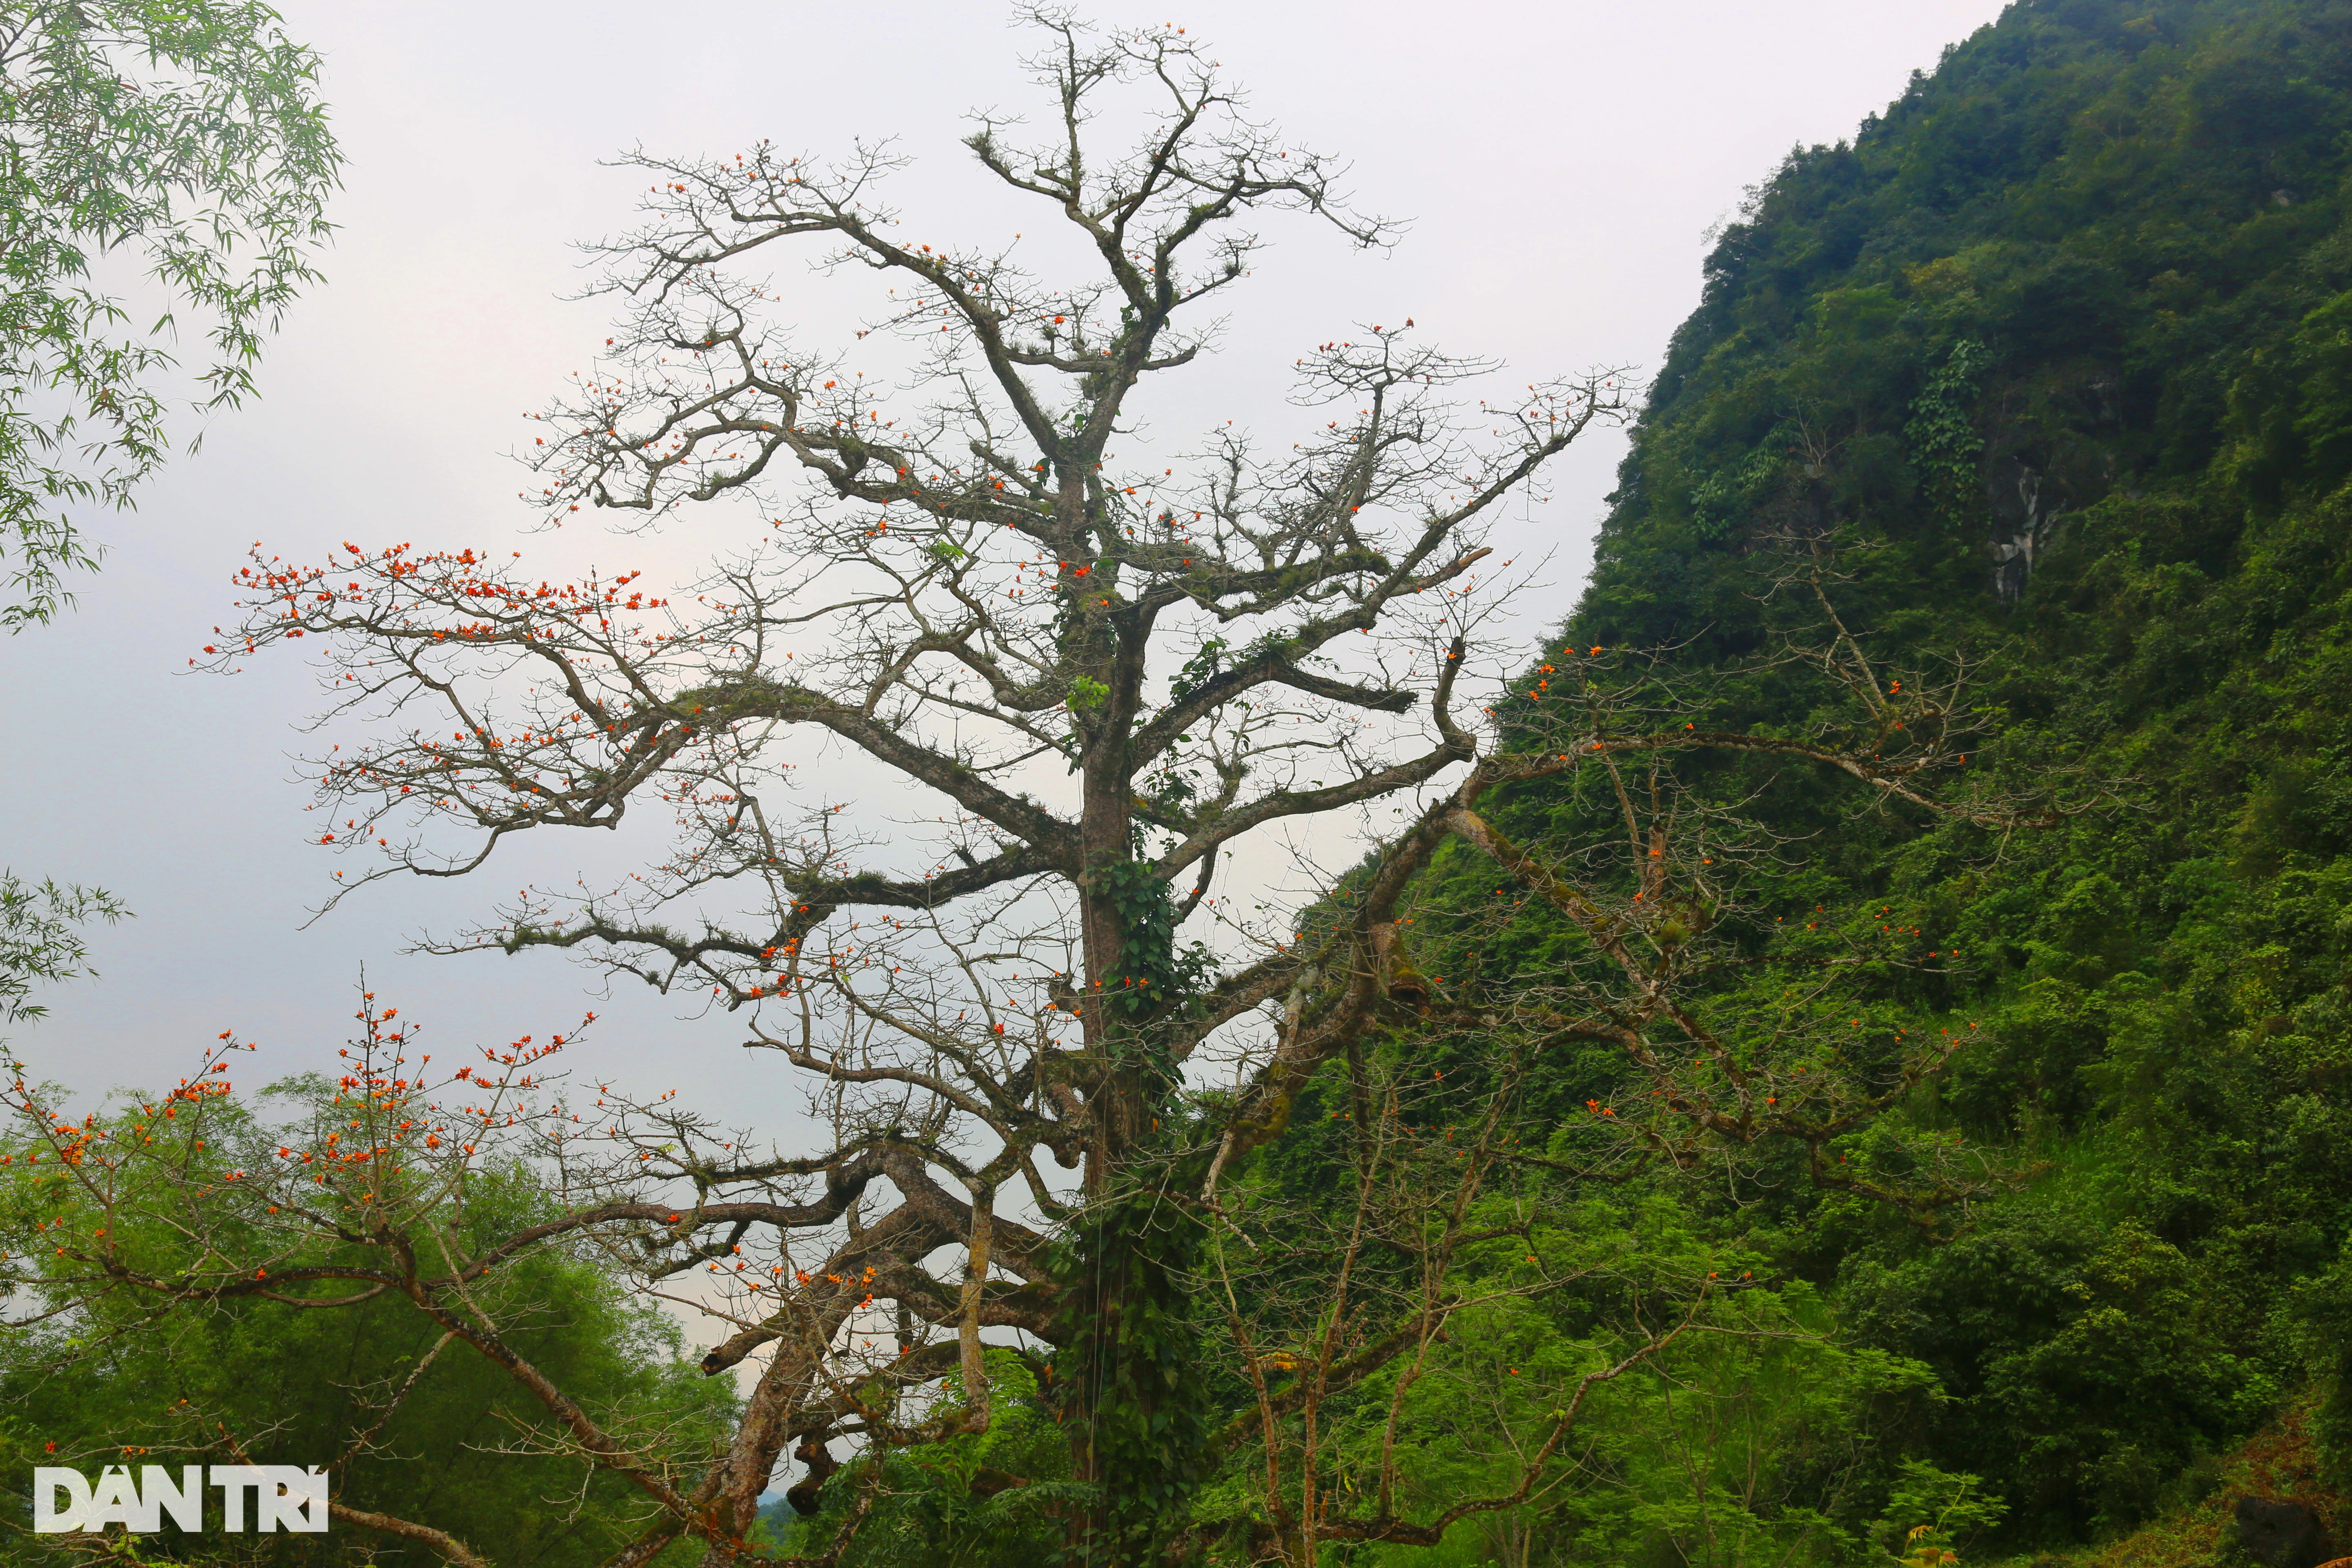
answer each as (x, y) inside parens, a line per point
(2069, 329)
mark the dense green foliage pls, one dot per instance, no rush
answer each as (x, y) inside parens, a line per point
(952, 1501)
(2069, 329)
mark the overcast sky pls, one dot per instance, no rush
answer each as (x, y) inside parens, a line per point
(1559, 164)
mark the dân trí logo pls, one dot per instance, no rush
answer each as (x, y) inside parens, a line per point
(285, 1497)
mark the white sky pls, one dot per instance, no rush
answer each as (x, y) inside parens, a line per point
(1558, 162)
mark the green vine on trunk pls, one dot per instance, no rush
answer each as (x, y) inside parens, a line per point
(1128, 1374)
(1151, 973)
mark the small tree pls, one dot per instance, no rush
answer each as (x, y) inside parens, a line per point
(1097, 681)
(401, 1415)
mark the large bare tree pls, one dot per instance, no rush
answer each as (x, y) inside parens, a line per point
(1044, 1048)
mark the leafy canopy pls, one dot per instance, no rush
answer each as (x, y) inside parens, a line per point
(183, 136)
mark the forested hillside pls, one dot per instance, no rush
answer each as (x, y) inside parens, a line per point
(2067, 334)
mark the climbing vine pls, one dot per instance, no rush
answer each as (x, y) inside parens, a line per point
(1942, 431)
(1152, 973)
(1129, 1372)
